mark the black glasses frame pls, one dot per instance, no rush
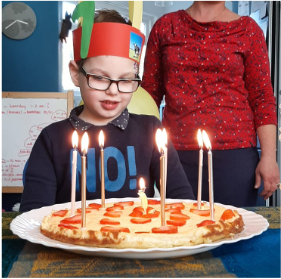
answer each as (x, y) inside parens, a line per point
(87, 75)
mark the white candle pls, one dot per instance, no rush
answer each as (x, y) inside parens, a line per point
(142, 195)
(200, 169)
(101, 143)
(84, 147)
(161, 143)
(210, 173)
(74, 167)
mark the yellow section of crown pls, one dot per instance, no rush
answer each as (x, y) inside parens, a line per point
(135, 13)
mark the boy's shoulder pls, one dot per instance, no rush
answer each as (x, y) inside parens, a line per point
(144, 123)
(61, 125)
(144, 119)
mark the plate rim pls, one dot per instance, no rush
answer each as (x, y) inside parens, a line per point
(71, 247)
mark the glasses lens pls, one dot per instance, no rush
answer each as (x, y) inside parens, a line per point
(98, 82)
(128, 86)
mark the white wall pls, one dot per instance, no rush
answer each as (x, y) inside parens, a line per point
(178, 5)
(150, 7)
(182, 5)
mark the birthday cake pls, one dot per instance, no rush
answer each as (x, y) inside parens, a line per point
(126, 224)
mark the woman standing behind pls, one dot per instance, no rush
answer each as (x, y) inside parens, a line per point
(212, 67)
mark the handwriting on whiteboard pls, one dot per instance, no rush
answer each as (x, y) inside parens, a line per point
(12, 170)
(22, 122)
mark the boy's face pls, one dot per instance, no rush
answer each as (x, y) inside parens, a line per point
(101, 107)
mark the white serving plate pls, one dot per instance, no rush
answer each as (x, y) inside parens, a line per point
(27, 226)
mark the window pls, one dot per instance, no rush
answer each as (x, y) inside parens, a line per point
(67, 54)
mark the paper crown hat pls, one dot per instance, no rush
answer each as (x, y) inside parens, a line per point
(107, 38)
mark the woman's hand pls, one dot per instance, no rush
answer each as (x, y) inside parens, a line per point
(267, 168)
(268, 171)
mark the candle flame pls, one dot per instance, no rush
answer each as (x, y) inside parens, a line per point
(206, 140)
(164, 133)
(85, 143)
(142, 184)
(161, 139)
(75, 139)
(158, 139)
(101, 139)
(199, 138)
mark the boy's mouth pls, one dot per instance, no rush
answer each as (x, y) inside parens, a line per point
(109, 105)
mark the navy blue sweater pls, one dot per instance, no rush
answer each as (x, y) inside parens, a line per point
(130, 152)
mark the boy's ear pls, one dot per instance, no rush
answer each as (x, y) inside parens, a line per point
(74, 72)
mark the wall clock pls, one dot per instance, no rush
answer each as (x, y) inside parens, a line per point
(18, 20)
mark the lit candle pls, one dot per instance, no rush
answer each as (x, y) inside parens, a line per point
(74, 167)
(101, 143)
(210, 173)
(200, 169)
(142, 194)
(84, 147)
(160, 143)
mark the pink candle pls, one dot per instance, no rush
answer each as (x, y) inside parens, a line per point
(160, 140)
(74, 167)
(200, 169)
(210, 173)
(84, 147)
(101, 143)
(165, 138)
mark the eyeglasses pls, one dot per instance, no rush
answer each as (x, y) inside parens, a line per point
(103, 83)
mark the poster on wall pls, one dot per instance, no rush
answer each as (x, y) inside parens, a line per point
(243, 8)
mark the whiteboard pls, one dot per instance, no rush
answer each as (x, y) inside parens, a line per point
(22, 121)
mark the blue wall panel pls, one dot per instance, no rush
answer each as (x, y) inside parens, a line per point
(32, 64)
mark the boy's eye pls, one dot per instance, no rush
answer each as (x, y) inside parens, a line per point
(99, 78)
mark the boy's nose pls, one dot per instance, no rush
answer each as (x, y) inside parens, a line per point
(113, 89)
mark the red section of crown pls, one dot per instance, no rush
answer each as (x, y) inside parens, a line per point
(110, 38)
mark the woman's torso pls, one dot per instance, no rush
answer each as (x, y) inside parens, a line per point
(203, 75)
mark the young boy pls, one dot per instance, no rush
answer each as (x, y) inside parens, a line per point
(107, 83)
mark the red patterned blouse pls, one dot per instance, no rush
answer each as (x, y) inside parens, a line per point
(215, 76)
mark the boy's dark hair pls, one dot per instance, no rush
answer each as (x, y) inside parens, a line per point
(110, 16)
(107, 16)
